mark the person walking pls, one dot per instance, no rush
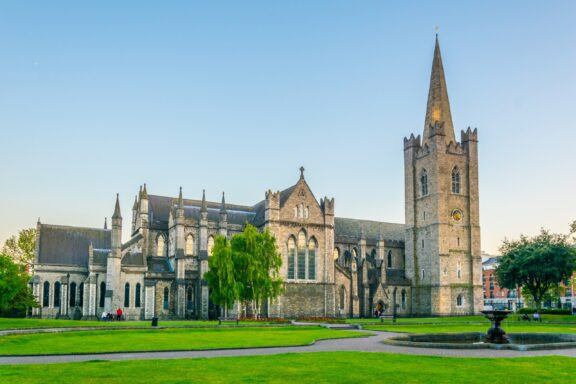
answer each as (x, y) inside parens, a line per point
(119, 314)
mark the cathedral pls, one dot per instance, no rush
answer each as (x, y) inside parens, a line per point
(331, 266)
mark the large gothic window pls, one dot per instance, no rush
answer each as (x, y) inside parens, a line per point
(72, 295)
(57, 290)
(46, 294)
(424, 183)
(137, 301)
(127, 295)
(160, 246)
(81, 295)
(301, 255)
(455, 180)
(312, 259)
(166, 301)
(210, 245)
(190, 245)
(102, 293)
(291, 257)
(389, 259)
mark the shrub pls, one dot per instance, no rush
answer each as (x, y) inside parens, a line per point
(545, 311)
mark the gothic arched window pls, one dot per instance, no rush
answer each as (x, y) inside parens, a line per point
(127, 295)
(102, 293)
(160, 246)
(57, 290)
(342, 297)
(424, 183)
(137, 301)
(389, 259)
(403, 298)
(459, 301)
(72, 295)
(189, 245)
(455, 180)
(46, 294)
(301, 263)
(166, 301)
(210, 245)
(189, 298)
(312, 259)
(291, 256)
(81, 295)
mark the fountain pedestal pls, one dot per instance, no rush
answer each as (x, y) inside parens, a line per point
(495, 334)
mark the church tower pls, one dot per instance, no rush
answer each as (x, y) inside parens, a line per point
(441, 207)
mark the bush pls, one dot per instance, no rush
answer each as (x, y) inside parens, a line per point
(545, 311)
(330, 320)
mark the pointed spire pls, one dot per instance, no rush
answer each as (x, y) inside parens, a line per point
(105, 223)
(38, 222)
(204, 209)
(140, 192)
(117, 214)
(180, 200)
(135, 206)
(144, 192)
(301, 172)
(438, 107)
(223, 205)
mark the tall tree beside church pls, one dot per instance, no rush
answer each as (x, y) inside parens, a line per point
(15, 294)
(246, 268)
(537, 264)
(221, 276)
(258, 264)
(21, 248)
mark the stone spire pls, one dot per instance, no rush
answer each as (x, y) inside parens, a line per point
(180, 200)
(135, 205)
(105, 223)
(144, 192)
(223, 205)
(117, 214)
(438, 107)
(204, 208)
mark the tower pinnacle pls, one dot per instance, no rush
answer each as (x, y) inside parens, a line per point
(117, 214)
(438, 107)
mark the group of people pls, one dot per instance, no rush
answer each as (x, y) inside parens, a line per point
(109, 316)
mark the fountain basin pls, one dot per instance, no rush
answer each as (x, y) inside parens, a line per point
(476, 340)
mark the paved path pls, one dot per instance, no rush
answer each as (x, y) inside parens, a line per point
(368, 344)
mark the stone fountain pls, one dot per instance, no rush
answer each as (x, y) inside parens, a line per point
(496, 334)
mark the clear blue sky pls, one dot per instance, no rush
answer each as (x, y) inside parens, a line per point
(99, 97)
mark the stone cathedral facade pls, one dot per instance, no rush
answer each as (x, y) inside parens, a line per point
(332, 266)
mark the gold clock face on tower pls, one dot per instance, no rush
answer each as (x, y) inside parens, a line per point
(456, 215)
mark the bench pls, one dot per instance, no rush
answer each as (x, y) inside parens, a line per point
(382, 317)
(227, 319)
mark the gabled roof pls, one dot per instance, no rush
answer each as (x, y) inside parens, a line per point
(63, 245)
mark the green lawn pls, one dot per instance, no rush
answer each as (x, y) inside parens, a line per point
(464, 319)
(510, 327)
(326, 367)
(165, 339)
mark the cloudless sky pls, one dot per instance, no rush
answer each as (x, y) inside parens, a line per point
(99, 97)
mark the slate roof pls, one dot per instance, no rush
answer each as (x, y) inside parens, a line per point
(135, 259)
(159, 211)
(351, 228)
(63, 245)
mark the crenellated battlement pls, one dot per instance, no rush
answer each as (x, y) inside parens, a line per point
(327, 205)
(412, 142)
(469, 135)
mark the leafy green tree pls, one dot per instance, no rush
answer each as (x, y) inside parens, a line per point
(246, 268)
(258, 265)
(537, 264)
(15, 294)
(221, 276)
(21, 248)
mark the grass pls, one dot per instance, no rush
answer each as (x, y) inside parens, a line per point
(464, 319)
(509, 327)
(325, 367)
(165, 339)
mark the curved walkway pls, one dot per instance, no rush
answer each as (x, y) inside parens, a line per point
(368, 344)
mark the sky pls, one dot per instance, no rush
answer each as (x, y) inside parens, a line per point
(97, 98)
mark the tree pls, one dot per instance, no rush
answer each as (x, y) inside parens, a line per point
(246, 268)
(15, 294)
(537, 264)
(21, 248)
(221, 276)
